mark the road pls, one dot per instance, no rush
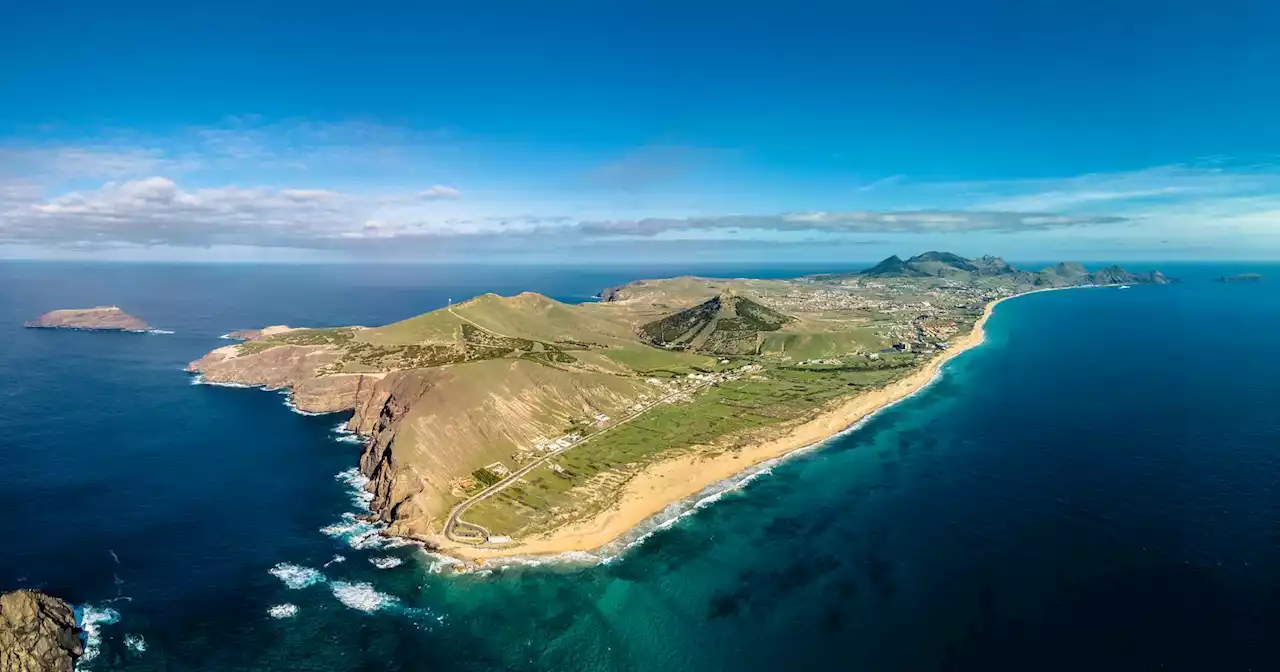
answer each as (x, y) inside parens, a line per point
(455, 516)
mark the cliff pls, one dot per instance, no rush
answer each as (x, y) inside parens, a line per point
(38, 633)
(101, 318)
(292, 367)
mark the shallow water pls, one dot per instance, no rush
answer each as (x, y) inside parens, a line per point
(1095, 486)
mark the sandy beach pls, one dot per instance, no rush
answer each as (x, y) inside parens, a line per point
(673, 480)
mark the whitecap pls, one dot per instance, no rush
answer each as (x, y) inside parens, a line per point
(159, 331)
(135, 643)
(342, 432)
(361, 596)
(199, 379)
(296, 576)
(358, 487)
(358, 534)
(336, 559)
(285, 610)
(91, 621)
(386, 562)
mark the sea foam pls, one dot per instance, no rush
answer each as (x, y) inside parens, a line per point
(345, 435)
(91, 621)
(361, 596)
(135, 643)
(285, 610)
(296, 576)
(386, 562)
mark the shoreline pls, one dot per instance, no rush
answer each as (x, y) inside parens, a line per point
(669, 483)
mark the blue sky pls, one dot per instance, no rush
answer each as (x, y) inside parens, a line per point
(543, 132)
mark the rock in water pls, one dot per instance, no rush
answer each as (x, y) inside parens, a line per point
(101, 318)
(37, 633)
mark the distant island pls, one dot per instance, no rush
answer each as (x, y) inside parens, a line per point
(522, 425)
(100, 318)
(1240, 277)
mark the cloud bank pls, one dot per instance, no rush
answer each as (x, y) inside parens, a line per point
(370, 188)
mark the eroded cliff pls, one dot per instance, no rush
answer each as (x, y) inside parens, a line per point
(38, 633)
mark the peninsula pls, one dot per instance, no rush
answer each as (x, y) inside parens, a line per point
(522, 425)
(100, 318)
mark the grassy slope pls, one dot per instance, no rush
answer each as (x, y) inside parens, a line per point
(482, 412)
(722, 417)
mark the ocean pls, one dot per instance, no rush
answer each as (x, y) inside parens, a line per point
(1096, 487)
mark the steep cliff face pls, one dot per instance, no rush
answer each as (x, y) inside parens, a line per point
(293, 366)
(397, 486)
(37, 633)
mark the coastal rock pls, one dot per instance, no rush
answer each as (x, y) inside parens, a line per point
(256, 334)
(100, 318)
(38, 633)
(284, 366)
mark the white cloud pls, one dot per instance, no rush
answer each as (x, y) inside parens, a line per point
(439, 191)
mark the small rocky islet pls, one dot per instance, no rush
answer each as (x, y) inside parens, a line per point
(99, 318)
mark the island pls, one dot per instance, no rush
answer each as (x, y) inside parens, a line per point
(522, 425)
(1240, 277)
(38, 633)
(100, 318)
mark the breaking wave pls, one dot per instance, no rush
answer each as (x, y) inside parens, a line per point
(386, 562)
(357, 487)
(361, 596)
(135, 643)
(91, 621)
(157, 331)
(285, 610)
(199, 379)
(296, 576)
(345, 435)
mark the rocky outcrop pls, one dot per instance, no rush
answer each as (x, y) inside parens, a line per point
(101, 318)
(296, 367)
(38, 633)
(1114, 275)
(379, 402)
(395, 485)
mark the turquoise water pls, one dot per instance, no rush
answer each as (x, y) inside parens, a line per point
(1096, 486)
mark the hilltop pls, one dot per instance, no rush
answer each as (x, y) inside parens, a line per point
(515, 416)
(725, 324)
(955, 267)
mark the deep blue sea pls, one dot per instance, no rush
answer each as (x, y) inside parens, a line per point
(1096, 487)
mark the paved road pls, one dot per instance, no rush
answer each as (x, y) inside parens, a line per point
(455, 515)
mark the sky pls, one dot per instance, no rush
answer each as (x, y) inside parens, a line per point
(608, 132)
